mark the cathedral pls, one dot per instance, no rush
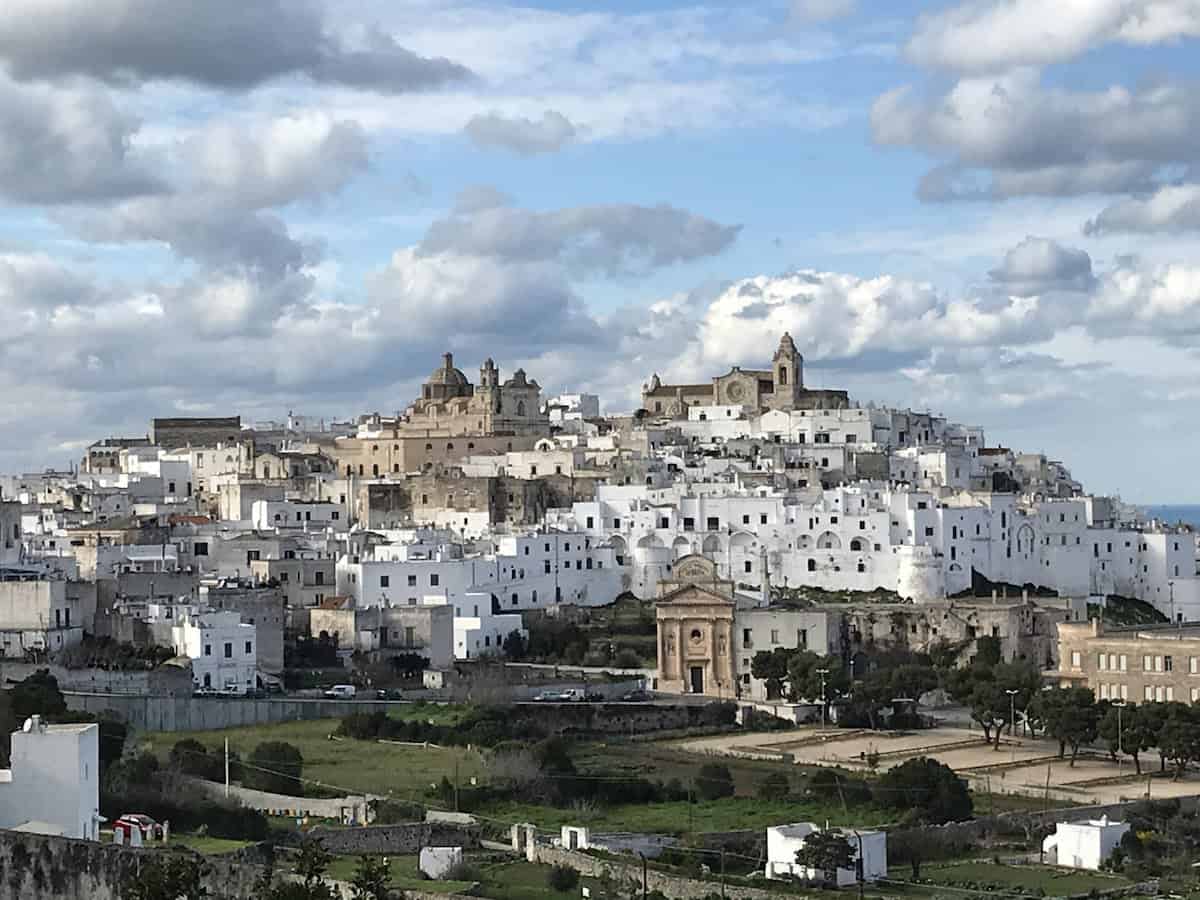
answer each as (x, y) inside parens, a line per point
(780, 387)
(450, 403)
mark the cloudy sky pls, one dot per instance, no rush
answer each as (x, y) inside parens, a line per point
(255, 206)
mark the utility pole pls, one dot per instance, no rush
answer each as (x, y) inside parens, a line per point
(722, 872)
(645, 873)
(822, 673)
(862, 864)
(226, 767)
(456, 783)
(1012, 712)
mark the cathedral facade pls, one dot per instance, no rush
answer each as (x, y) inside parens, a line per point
(780, 387)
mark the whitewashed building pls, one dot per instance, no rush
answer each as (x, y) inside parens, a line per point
(53, 783)
(223, 651)
(1084, 845)
(784, 840)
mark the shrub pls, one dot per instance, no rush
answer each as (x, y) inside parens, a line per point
(714, 782)
(627, 659)
(562, 879)
(274, 766)
(190, 757)
(774, 787)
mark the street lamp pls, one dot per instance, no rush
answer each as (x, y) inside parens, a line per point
(822, 673)
(1012, 711)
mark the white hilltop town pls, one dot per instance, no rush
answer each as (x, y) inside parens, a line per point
(871, 620)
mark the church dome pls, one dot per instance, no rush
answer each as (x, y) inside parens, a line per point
(447, 374)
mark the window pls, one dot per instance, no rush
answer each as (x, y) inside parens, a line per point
(335, 515)
(1167, 663)
(745, 520)
(1147, 663)
(713, 523)
(385, 581)
(1149, 693)
(689, 524)
(749, 566)
(1193, 665)
(774, 636)
(762, 518)
(928, 531)
(1170, 693)
(1124, 663)
(616, 523)
(249, 647)
(591, 523)
(434, 580)
(229, 649)
(747, 640)
(208, 649)
(514, 599)
(1103, 662)
(318, 578)
(1076, 659)
(200, 548)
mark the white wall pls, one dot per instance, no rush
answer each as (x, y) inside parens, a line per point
(54, 779)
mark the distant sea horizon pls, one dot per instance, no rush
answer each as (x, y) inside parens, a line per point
(1172, 513)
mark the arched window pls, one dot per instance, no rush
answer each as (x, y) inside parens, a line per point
(520, 407)
(783, 376)
(856, 544)
(471, 445)
(449, 448)
(534, 596)
(428, 448)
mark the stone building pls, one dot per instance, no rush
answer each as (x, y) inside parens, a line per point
(195, 432)
(695, 612)
(1140, 664)
(451, 420)
(780, 387)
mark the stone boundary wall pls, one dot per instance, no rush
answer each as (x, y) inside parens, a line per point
(350, 810)
(406, 839)
(168, 680)
(630, 875)
(38, 867)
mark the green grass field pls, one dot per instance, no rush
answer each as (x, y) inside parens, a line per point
(1054, 882)
(403, 875)
(498, 881)
(209, 846)
(345, 764)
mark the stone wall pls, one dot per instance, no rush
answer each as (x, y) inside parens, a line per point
(407, 838)
(348, 810)
(169, 680)
(629, 875)
(160, 713)
(36, 867)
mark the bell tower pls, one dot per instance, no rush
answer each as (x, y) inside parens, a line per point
(787, 373)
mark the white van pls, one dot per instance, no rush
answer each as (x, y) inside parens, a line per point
(342, 692)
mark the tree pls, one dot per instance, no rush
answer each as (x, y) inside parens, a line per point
(190, 757)
(553, 756)
(805, 679)
(988, 652)
(1152, 717)
(37, 695)
(166, 877)
(274, 766)
(825, 852)
(514, 645)
(927, 787)
(311, 865)
(1179, 738)
(714, 781)
(1069, 715)
(771, 667)
(562, 879)
(409, 664)
(370, 881)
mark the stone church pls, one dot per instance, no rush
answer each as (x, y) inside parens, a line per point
(780, 387)
(695, 611)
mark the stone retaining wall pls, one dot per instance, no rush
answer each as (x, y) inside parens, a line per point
(396, 839)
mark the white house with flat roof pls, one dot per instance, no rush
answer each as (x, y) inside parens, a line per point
(53, 783)
(223, 650)
(1084, 845)
(784, 840)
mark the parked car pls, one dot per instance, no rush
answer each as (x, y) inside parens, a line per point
(548, 697)
(151, 830)
(342, 692)
(637, 696)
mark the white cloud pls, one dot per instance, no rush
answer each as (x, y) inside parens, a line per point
(995, 35)
(521, 135)
(1173, 208)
